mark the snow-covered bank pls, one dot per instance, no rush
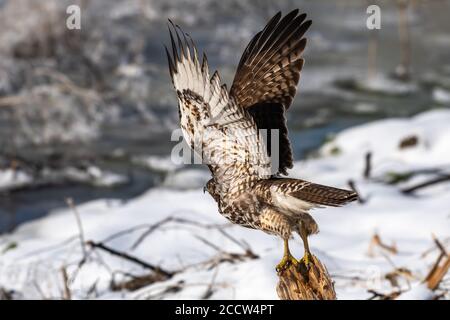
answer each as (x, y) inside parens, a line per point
(192, 237)
(11, 179)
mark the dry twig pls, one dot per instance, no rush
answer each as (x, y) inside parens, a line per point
(368, 165)
(71, 205)
(440, 267)
(376, 242)
(67, 295)
(352, 186)
(439, 179)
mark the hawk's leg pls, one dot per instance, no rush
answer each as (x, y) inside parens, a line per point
(307, 255)
(276, 223)
(287, 259)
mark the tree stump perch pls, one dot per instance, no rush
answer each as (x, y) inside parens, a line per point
(298, 283)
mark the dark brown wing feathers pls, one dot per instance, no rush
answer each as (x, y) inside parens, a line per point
(324, 195)
(273, 51)
(271, 116)
(267, 76)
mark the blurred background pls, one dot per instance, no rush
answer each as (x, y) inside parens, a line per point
(88, 113)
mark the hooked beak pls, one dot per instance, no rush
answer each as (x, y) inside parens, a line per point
(204, 189)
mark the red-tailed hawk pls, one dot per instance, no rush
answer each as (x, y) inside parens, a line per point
(224, 127)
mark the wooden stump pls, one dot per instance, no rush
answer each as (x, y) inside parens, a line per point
(297, 283)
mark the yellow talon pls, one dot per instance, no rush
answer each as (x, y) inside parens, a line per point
(285, 262)
(306, 260)
(287, 259)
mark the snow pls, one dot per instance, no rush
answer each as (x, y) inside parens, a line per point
(104, 178)
(11, 178)
(441, 96)
(389, 86)
(156, 163)
(187, 179)
(33, 264)
(363, 107)
(383, 138)
(381, 84)
(418, 292)
(93, 175)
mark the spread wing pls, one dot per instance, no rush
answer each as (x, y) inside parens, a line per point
(267, 76)
(213, 124)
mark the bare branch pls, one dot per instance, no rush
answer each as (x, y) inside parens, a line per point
(352, 186)
(67, 295)
(125, 256)
(376, 242)
(440, 179)
(71, 205)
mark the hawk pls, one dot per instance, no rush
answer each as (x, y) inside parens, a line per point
(239, 132)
